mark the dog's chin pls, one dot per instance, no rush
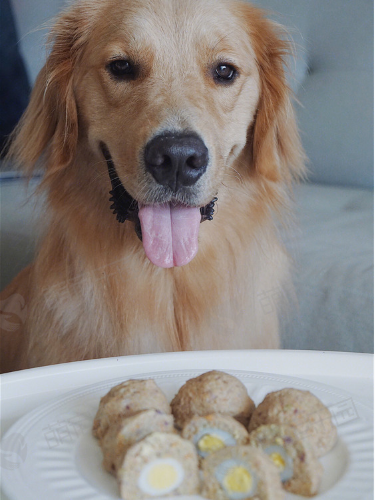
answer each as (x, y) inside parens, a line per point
(167, 223)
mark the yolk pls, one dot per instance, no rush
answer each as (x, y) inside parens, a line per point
(210, 443)
(162, 476)
(278, 460)
(238, 479)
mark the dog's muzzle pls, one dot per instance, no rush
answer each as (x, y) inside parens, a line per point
(125, 207)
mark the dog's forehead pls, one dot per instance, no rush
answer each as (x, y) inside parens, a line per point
(215, 24)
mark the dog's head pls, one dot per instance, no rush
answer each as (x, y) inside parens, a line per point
(176, 96)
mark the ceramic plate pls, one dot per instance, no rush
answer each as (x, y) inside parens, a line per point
(51, 454)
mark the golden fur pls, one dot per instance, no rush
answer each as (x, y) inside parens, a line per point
(91, 291)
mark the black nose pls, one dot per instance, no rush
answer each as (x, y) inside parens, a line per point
(176, 160)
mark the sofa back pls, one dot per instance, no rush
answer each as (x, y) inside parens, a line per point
(334, 83)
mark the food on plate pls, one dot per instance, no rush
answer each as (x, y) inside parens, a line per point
(212, 392)
(162, 464)
(119, 438)
(213, 432)
(126, 399)
(240, 472)
(302, 410)
(299, 468)
(244, 452)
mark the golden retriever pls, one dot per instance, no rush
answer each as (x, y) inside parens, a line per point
(181, 108)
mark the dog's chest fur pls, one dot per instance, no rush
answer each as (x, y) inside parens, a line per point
(129, 306)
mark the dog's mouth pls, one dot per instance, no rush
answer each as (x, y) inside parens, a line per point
(168, 231)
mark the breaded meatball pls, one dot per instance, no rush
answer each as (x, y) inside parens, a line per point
(127, 399)
(300, 470)
(213, 432)
(209, 393)
(302, 410)
(161, 464)
(240, 472)
(119, 438)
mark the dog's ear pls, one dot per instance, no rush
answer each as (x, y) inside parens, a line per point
(276, 148)
(49, 125)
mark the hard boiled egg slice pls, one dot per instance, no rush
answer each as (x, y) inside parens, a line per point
(209, 439)
(161, 476)
(282, 460)
(237, 479)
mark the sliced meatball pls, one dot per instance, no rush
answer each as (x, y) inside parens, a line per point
(162, 464)
(241, 472)
(302, 410)
(118, 439)
(127, 399)
(213, 432)
(299, 468)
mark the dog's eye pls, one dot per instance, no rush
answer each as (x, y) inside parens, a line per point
(225, 73)
(121, 68)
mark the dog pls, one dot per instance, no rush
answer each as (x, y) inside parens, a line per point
(181, 110)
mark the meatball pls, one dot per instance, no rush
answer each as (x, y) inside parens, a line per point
(213, 432)
(127, 399)
(240, 472)
(209, 393)
(161, 464)
(300, 470)
(302, 410)
(119, 438)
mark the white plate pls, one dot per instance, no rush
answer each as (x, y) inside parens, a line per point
(51, 454)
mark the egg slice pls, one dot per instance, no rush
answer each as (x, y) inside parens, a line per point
(209, 439)
(237, 479)
(282, 460)
(161, 477)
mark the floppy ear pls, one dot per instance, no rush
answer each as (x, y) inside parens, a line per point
(50, 124)
(276, 147)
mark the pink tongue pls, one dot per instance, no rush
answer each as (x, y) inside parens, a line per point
(169, 233)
